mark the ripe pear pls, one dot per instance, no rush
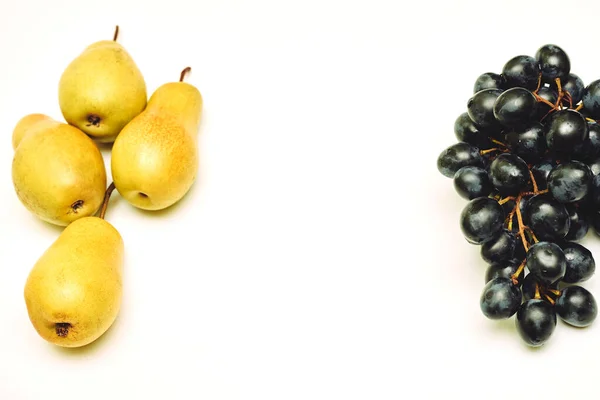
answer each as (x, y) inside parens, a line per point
(27, 124)
(155, 157)
(58, 172)
(73, 292)
(101, 90)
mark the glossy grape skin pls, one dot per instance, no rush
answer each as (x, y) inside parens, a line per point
(589, 149)
(528, 142)
(504, 269)
(465, 130)
(509, 174)
(570, 181)
(575, 86)
(591, 99)
(565, 129)
(488, 80)
(472, 182)
(594, 166)
(480, 107)
(481, 219)
(535, 321)
(500, 248)
(546, 261)
(577, 306)
(542, 109)
(579, 223)
(595, 191)
(500, 299)
(581, 265)
(515, 106)
(457, 156)
(541, 171)
(548, 218)
(522, 71)
(554, 62)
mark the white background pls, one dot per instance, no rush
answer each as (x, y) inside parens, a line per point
(318, 256)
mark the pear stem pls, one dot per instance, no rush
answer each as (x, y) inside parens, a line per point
(106, 199)
(184, 73)
(116, 35)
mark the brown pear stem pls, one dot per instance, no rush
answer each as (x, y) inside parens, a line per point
(62, 329)
(116, 35)
(106, 199)
(185, 71)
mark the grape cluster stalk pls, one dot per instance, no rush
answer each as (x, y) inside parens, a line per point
(527, 160)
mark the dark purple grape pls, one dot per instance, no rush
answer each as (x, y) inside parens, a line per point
(541, 171)
(546, 261)
(580, 263)
(589, 149)
(509, 174)
(465, 130)
(535, 321)
(501, 248)
(575, 86)
(594, 166)
(481, 219)
(480, 107)
(591, 99)
(565, 129)
(488, 80)
(521, 71)
(548, 218)
(505, 269)
(579, 223)
(570, 181)
(500, 299)
(528, 142)
(554, 62)
(595, 220)
(542, 109)
(576, 306)
(595, 191)
(457, 156)
(515, 107)
(472, 182)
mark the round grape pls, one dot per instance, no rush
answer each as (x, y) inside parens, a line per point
(548, 218)
(546, 261)
(457, 156)
(528, 142)
(554, 62)
(591, 99)
(509, 174)
(472, 182)
(500, 248)
(515, 107)
(481, 219)
(521, 71)
(488, 80)
(575, 86)
(570, 181)
(505, 269)
(535, 321)
(578, 223)
(576, 306)
(580, 263)
(565, 129)
(480, 107)
(500, 299)
(465, 130)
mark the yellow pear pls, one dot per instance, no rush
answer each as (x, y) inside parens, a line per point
(155, 157)
(73, 292)
(58, 172)
(29, 123)
(101, 90)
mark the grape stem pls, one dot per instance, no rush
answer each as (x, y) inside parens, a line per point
(579, 107)
(506, 200)
(483, 152)
(518, 272)
(537, 292)
(561, 93)
(499, 143)
(533, 182)
(550, 300)
(521, 224)
(554, 292)
(539, 85)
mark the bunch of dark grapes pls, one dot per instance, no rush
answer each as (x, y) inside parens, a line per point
(528, 162)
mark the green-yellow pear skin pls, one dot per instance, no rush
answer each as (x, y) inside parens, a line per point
(58, 172)
(29, 123)
(73, 292)
(155, 157)
(101, 90)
